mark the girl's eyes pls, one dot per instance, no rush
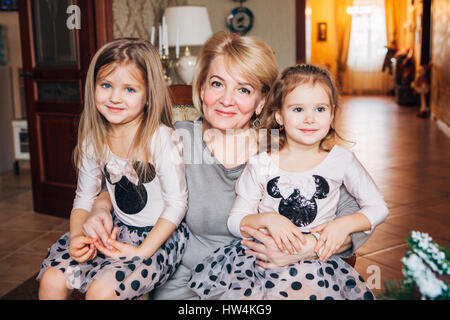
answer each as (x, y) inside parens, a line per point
(319, 109)
(108, 86)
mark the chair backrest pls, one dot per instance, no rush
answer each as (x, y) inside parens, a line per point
(183, 107)
(351, 260)
(181, 94)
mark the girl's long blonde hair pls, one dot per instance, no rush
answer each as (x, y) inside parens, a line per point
(287, 81)
(93, 127)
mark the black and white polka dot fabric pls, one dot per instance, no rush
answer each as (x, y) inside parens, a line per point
(129, 278)
(230, 274)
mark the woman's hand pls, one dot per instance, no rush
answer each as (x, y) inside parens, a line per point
(333, 235)
(82, 249)
(285, 234)
(268, 254)
(118, 249)
(99, 223)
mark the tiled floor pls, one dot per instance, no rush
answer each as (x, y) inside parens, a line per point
(408, 157)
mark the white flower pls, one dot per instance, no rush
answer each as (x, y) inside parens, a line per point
(424, 246)
(418, 272)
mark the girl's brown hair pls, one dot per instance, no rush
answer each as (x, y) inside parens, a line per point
(287, 81)
(251, 56)
(93, 127)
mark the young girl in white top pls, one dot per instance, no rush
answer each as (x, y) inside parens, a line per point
(295, 187)
(126, 136)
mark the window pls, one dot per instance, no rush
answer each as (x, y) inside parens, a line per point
(367, 48)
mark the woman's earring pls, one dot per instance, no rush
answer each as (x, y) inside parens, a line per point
(146, 107)
(256, 122)
(281, 128)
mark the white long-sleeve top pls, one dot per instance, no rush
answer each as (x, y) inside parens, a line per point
(308, 198)
(136, 200)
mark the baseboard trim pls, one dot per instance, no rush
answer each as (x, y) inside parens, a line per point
(441, 125)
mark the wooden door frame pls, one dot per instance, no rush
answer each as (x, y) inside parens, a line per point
(300, 29)
(425, 54)
(104, 21)
(425, 47)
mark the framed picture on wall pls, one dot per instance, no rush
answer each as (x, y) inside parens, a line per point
(321, 31)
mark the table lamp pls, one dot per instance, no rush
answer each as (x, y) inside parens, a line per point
(187, 26)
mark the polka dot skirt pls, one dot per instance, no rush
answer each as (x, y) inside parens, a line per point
(129, 278)
(230, 274)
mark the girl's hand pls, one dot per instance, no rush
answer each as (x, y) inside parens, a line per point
(267, 254)
(82, 249)
(99, 224)
(285, 234)
(332, 236)
(118, 249)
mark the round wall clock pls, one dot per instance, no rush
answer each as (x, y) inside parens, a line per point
(240, 20)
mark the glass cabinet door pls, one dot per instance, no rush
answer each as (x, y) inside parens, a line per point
(55, 44)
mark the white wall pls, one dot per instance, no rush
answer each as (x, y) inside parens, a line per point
(10, 19)
(10, 94)
(6, 115)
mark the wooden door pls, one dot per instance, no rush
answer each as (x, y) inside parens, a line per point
(58, 40)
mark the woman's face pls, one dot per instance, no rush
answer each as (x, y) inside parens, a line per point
(229, 100)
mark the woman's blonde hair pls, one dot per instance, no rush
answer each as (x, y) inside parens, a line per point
(250, 56)
(93, 127)
(287, 81)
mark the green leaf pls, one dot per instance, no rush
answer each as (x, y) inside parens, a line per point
(396, 290)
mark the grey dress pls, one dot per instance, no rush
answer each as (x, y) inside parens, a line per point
(210, 197)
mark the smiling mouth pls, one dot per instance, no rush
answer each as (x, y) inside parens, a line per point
(115, 109)
(309, 130)
(225, 114)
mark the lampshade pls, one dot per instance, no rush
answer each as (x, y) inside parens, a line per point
(192, 22)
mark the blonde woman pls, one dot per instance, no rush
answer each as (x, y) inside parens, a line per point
(126, 135)
(233, 76)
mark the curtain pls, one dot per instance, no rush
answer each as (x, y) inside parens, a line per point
(367, 50)
(392, 20)
(344, 25)
(391, 30)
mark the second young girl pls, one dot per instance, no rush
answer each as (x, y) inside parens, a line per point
(295, 189)
(126, 136)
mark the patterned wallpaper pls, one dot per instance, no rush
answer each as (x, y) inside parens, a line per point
(440, 92)
(135, 18)
(132, 18)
